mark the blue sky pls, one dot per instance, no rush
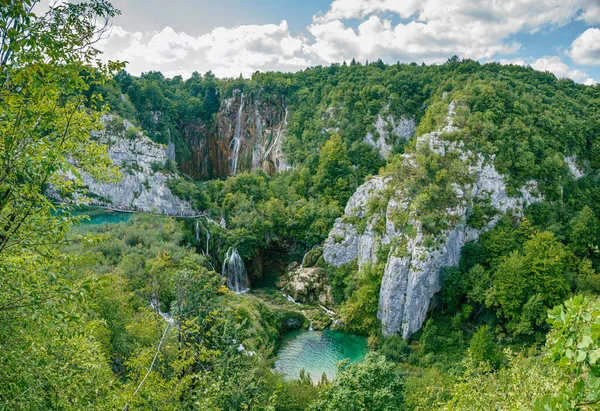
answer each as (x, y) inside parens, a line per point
(233, 37)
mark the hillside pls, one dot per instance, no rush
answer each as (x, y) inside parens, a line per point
(440, 222)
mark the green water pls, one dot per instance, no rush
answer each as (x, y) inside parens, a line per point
(105, 217)
(318, 352)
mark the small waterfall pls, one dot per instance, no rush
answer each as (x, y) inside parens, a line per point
(310, 327)
(198, 225)
(235, 272)
(279, 132)
(303, 258)
(237, 138)
(207, 238)
(156, 307)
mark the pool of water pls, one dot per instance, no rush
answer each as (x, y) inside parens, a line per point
(108, 217)
(318, 352)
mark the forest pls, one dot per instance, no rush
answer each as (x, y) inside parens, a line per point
(136, 315)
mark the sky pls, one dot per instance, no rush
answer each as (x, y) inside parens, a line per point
(238, 37)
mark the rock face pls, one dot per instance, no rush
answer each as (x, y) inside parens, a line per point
(412, 267)
(309, 285)
(571, 162)
(387, 130)
(247, 134)
(248, 131)
(143, 185)
(344, 242)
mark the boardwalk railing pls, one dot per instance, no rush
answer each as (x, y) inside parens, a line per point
(126, 209)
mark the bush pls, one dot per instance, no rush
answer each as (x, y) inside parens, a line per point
(483, 347)
(395, 348)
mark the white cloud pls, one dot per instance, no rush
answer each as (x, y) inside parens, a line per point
(228, 52)
(556, 66)
(585, 49)
(437, 29)
(348, 9)
(429, 31)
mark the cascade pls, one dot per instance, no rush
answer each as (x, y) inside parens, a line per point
(237, 138)
(198, 225)
(235, 272)
(207, 238)
(304, 259)
(279, 132)
(156, 307)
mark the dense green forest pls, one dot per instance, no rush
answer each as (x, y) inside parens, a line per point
(518, 321)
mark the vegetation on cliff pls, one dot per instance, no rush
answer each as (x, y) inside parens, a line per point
(83, 321)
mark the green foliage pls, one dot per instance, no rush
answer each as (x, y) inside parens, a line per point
(359, 312)
(515, 387)
(483, 347)
(453, 288)
(332, 176)
(429, 342)
(373, 384)
(574, 345)
(51, 353)
(395, 349)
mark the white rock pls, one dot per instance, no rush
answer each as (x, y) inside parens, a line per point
(571, 162)
(412, 269)
(402, 127)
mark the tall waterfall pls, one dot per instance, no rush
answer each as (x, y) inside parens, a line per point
(237, 139)
(198, 230)
(235, 272)
(279, 131)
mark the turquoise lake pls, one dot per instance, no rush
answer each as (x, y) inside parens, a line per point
(318, 352)
(109, 217)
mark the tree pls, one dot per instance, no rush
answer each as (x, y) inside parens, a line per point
(574, 346)
(331, 178)
(373, 384)
(583, 232)
(47, 63)
(483, 347)
(430, 338)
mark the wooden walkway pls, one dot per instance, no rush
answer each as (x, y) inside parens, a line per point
(129, 210)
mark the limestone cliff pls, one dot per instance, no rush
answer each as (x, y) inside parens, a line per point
(143, 171)
(387, 130)
(412, 266)
(247, 134)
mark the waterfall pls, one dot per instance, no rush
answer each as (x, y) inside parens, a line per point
(156, 307)
(303, 258)
(235, 272)
(237, 138)
(198, 225)
(279, 131)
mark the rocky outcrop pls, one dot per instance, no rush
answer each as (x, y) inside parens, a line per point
(344, 241)
(143, 183)
(387, 130)
(412, 267)
(574, 169)
(309, 285)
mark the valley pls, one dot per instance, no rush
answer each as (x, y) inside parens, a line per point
(356, 235)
